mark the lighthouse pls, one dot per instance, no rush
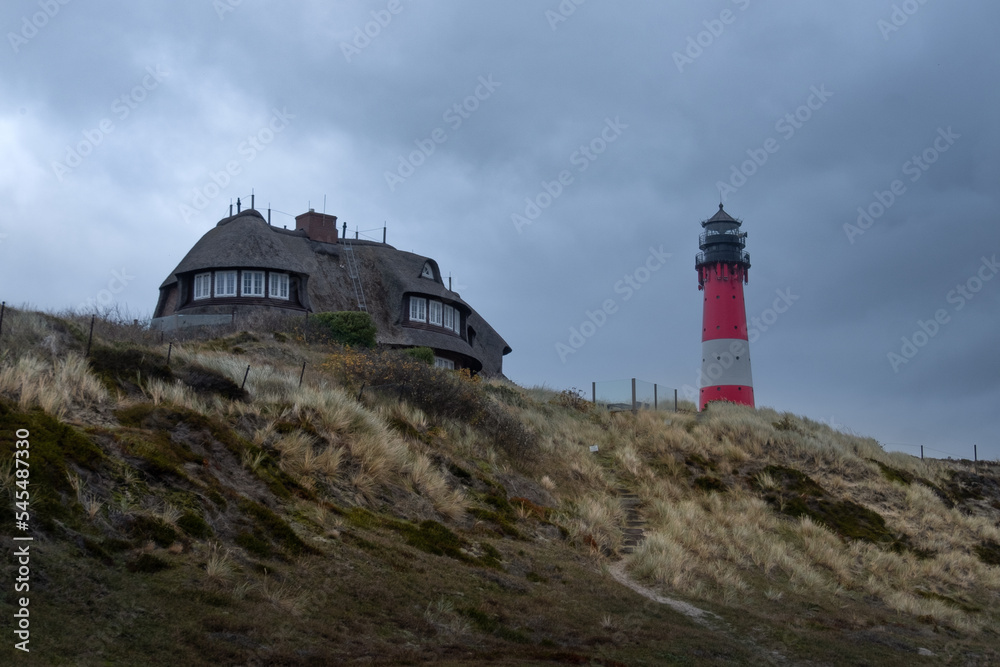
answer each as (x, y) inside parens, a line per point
(723, 266)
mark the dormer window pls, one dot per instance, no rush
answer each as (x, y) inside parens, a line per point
(428, 271)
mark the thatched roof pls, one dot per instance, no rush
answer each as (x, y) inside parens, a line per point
(388, 275)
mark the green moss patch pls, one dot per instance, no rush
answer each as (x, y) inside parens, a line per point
(53, 447)
(428, 536)
(894, 474)
(194, 525)
(142, 528)
(269, 527)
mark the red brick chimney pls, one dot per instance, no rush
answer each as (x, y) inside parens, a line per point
(318, 226)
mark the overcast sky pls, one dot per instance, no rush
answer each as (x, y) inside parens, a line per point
(542, 152)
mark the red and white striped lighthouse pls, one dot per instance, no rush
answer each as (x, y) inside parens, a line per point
(723, 267)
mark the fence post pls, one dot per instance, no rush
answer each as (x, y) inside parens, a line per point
(593, 392)
(3, 306)
(90, 338)
(654, 397)
(245, 375)
(975, 457)
(921, 452)
(675, 400)
(303, 373)
(634, 410)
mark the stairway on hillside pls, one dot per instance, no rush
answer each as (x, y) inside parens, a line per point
(633, 531)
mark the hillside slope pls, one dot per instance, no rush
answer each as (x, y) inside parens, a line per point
(386, 512)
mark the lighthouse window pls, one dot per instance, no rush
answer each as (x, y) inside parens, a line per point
(278, 288)
(418, 309)
(225, 283)
(203, 285)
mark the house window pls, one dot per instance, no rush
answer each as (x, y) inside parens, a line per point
(427, 272)
(444, 363)
(225, 283)
(203, 286)
(278, 289)
(253, 283)
(418, 309)
(449, 318)
(458, 322)
(435, 313)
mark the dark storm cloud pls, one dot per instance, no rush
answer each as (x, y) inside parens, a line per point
(807, 112)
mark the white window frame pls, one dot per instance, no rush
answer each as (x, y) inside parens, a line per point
(252, 283)
(278, 285)
(458, 322)
(427, 271)
(441, 362)
(203, 286)
(449, 318)
(418, 309)
(225, 283)
(434, 313)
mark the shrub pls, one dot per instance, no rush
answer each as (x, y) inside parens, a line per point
(424, 354)
(353, 328)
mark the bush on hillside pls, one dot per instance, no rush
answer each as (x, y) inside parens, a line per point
(424, 354)
(351, 328)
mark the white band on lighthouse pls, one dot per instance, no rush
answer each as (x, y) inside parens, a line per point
(725, 361)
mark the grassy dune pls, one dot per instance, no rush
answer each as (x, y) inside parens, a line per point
(386, 512)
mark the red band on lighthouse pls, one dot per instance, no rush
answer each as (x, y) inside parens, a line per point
(723, 267)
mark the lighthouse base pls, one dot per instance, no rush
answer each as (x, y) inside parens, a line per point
(733, 393)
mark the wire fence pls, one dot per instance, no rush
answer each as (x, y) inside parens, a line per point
(632, 394)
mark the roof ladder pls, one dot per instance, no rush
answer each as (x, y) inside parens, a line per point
(352, 270)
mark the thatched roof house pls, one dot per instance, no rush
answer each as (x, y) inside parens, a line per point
(244, 264)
